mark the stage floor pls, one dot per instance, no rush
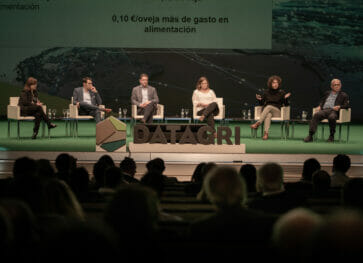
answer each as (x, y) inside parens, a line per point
(85, 142)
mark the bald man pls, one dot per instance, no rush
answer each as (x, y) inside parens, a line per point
(329, 107)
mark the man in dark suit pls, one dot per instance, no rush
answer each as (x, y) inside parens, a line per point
(329, 107)
(88, 100)
(145, 98)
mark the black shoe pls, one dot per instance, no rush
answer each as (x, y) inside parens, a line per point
(309, 138)
(51, 126)
(34, 136)
(330, 139)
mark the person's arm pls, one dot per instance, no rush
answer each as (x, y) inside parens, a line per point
(195, 100)
(98, 98)
(75, 96)
(155, 97)
(24, 99)
(323, 99)
(134, 100)
(214, 96)
(345, 103)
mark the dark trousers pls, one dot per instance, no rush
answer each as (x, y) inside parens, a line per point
(148, 112)
(38, 113)
(209, 113)
(89, 109)
(329, 114)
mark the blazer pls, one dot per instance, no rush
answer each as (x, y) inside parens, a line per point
(78, 97)
(27, 98)
(342, 100)
(136, 96)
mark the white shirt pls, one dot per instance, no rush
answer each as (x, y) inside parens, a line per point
(87, 97)
(203, 97)
(144, 94)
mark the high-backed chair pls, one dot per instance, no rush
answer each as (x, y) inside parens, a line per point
(283, 119)
(222, 111)
(344, 118)
(158, 116)
(13, 114)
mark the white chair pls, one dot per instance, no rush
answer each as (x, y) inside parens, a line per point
(344, 118)
(222, 111)
(13, 114)
(158, 116)
(283, 119)
(74, 117)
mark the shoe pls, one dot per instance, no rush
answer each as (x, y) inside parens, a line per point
(34, 136)
(309, 138)
(51, 126)
(107, 110)
(255, 125)
(330, 139)
(265, 136)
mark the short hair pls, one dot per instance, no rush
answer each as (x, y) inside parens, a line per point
(310, 166)
(127, 165)
(321, 181)
(156, 165)
(143, 75)
(333, 80)
(341, 163)
(224, 187)
(270, 177)
(271, 79)
(85, 79)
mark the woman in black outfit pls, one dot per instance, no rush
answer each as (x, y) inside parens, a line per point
(272, 100)
(31, 106)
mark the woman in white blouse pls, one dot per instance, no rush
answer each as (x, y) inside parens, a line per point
(205, 100)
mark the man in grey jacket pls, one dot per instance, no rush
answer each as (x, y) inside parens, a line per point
(145, 98)
(88, 100)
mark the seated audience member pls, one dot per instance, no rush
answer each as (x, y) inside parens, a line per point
(201, 195)
(113, 179)
(292, 233)
(79, 183)
(65, 164)
(304, 186)
(128, 169)
(99, 169)
(352, 194)
(133, 214)
(321, 183)
(45, 169)
(341, 165)
(232, 223)
(274, 198)
(338, 239)
(196, 180)
(157, 165)
(249, 174)
(58, 199)
(155, 181)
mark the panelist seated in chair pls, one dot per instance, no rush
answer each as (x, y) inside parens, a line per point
(31, 106)
(206, 101)
(88, 100)
(145, 98)
(332, 101)
(272, 100)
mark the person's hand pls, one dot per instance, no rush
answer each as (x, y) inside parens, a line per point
(77, 104)
(258, 97)
(287, 95)
(336, 108)
(39, 103)
(318, 108)
(93, 89)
